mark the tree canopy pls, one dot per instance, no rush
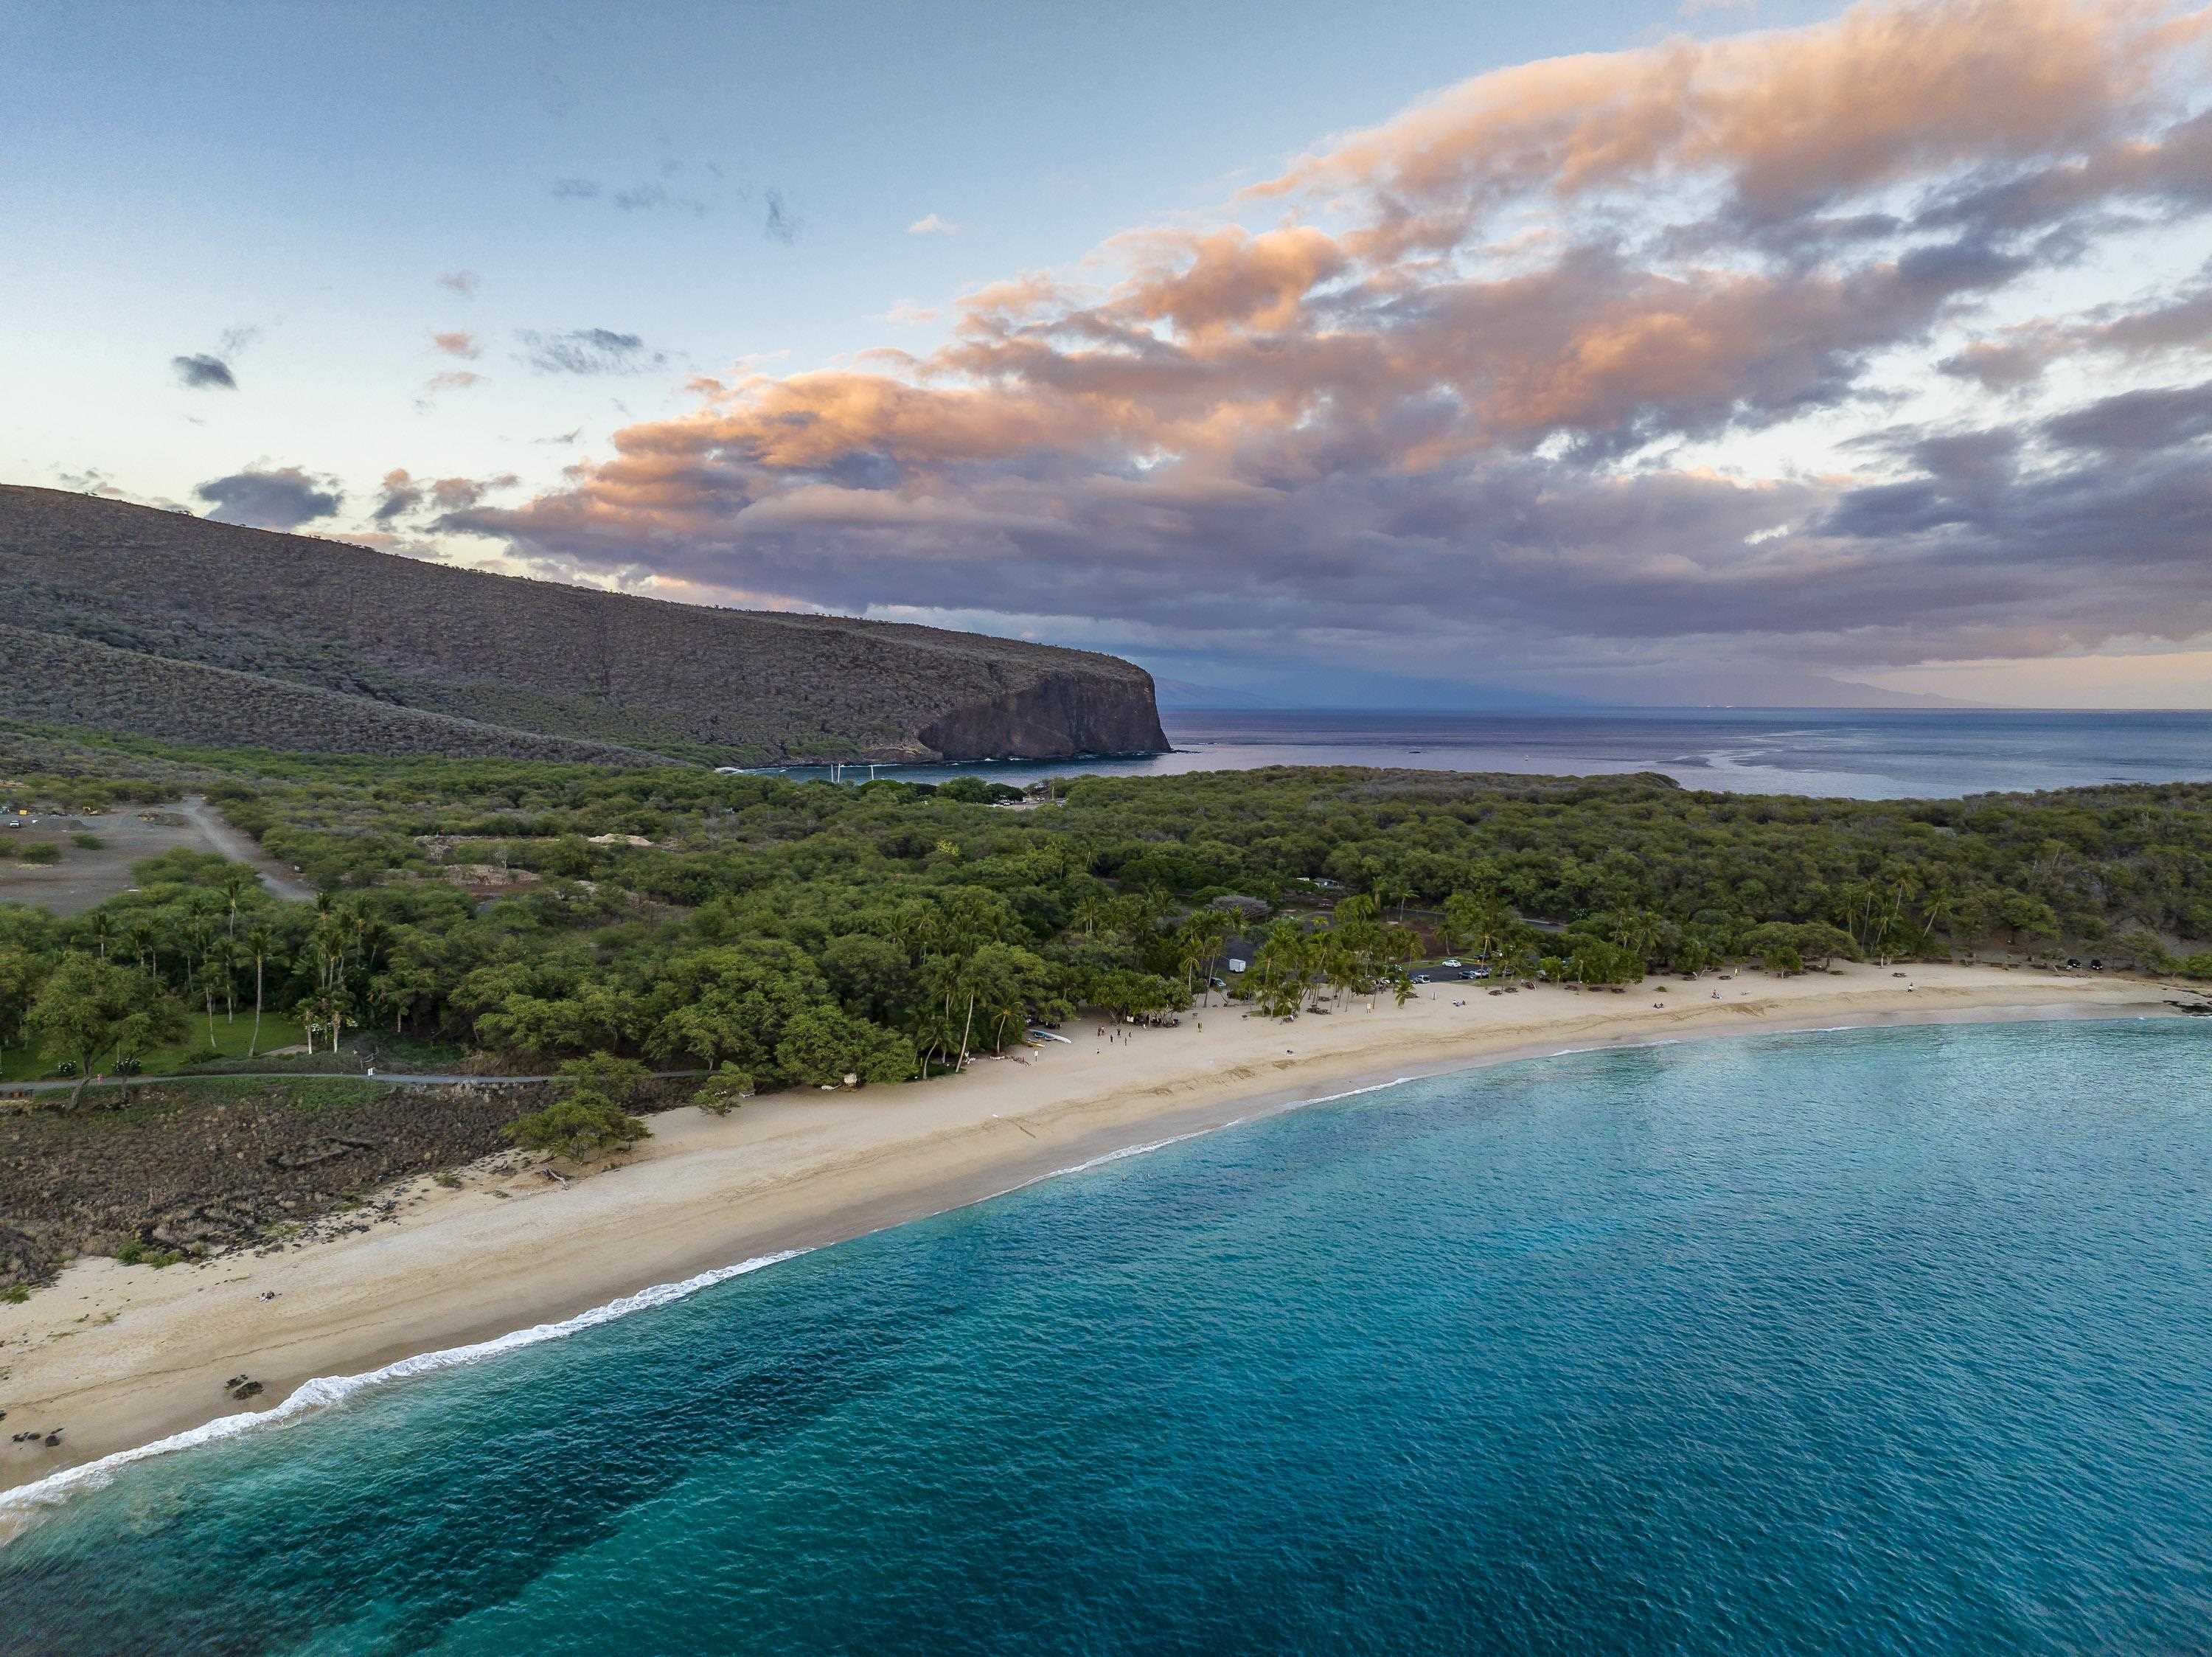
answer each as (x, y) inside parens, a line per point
(798, 933)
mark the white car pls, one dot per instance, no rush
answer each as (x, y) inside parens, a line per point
(1448, 963)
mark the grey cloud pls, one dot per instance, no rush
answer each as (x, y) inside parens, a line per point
(782, 223)
(647, 198)
(397, 496)
(283, 498)
(2166, 173)
(458, 494)
(588, 352)
(202, 372)
(1999, 364)
(463, 282)
(2180, 321)
(401, 495)
(93, 481)
(2137, 421)
(1885, 510)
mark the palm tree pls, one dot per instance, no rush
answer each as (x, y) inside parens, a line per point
(328, 1010)
(1638, 931)
(257, 942)
(237, 881)
(1199, 937)
(215, 968)
(1942, 906)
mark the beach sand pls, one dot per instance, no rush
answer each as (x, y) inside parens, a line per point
(121, 1355)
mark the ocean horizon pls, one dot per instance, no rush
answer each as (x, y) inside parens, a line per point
(1856, 753)
(1881, 1339)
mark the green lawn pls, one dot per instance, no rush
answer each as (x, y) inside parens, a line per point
(231, 1037)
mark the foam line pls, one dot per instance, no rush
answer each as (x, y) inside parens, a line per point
(326, 1391)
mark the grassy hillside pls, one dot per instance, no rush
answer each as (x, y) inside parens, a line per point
(52, 677)
(504, 663)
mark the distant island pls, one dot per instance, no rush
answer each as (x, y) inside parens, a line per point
(133, 620)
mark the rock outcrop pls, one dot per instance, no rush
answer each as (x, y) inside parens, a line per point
(1060, 716)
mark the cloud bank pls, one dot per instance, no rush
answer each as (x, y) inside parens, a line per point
(1710, 356)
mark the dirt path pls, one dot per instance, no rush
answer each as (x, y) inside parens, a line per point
(223, 838)
(396, 1078)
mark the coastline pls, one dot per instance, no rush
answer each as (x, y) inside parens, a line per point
(122, 1358)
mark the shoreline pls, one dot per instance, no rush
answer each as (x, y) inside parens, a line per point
(124, 1358)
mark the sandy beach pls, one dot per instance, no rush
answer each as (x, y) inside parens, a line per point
(122, 1356)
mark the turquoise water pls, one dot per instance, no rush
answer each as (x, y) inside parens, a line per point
(1874, 1341)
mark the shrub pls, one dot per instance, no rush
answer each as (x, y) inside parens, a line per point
(724, 1091)
(822, 1045)
(39, 851)
(579, 1125)
(616, 1079)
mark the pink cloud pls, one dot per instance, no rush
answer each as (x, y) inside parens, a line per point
(1402, 405)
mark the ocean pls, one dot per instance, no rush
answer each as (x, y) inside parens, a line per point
(1809, 751)
(1858, 1341)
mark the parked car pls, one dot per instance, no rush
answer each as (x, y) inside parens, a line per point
(1448, 963)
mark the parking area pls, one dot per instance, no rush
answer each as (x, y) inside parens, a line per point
(83, 875)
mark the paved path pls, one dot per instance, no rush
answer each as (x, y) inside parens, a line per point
(415, 1078)
(221, 836)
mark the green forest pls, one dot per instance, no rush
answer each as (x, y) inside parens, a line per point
(794, 932)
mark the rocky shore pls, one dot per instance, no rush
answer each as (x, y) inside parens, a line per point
(204, 1167)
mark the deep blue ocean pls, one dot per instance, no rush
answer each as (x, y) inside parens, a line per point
(1814, 751)
(1875, 1341)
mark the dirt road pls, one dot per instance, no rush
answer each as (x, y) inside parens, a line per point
(222, 837)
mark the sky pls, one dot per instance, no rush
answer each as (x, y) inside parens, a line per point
(1450, 355)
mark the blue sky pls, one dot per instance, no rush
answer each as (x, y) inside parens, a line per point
(599, 210)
